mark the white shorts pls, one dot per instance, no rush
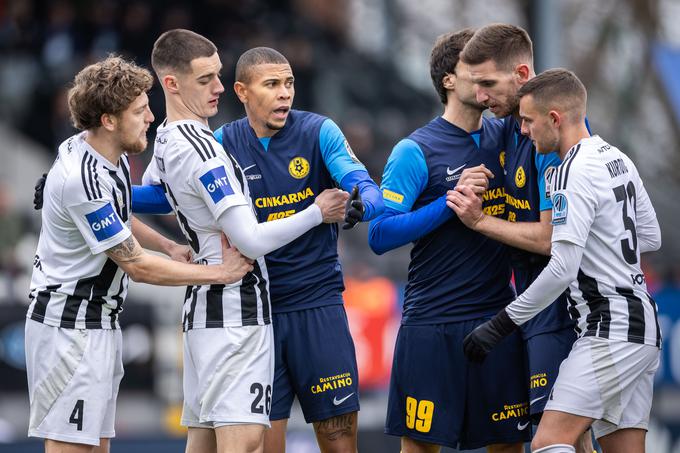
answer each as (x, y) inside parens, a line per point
(610, 381)
(73, 380)
(228, 375)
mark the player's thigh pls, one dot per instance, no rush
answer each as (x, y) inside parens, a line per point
(427, 386)
(55, 446)
(275, 437)
(283, 392)
(245, 438)
(322, 363)
(232, 368)
(497, 406)
(74, 377)
(558, 427)
(337, 434)
(409, 445)
(201, 440)
(628, 440)
(545, 353)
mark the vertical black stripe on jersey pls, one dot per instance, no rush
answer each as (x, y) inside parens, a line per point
(123, 211)
(119, 301)
(237, 172)
(189, 318)
(90, 164)
(573, 311)
(656, 320)
(83, 167)
(264, 294)
(597, 321)
(213, 305)
(100, 288)
(125, 166)
(636, 315)
(95, 178)
(568, 166)
(189, 234)
(41, 301)
(248, 300)
(188, 137)
(204, 142)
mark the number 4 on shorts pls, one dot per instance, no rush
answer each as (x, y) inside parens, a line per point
(77, 414)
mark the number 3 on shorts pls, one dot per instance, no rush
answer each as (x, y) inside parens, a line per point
(77, 414)
(419, 414)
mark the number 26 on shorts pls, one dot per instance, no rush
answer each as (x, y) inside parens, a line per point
(419, 414)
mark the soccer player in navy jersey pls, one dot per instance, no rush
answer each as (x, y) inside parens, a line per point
(501, 61)
(457, 277)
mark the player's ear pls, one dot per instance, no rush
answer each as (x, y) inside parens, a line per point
(170, 83)
(522, 73)
(109, 121)
(241, 91)
(555, 118)
(449, 82)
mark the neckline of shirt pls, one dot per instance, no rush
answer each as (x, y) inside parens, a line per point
(101, 159)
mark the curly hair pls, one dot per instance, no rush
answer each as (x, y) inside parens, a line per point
(108, 86)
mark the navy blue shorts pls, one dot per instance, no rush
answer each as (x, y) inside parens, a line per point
(438, 396)
(315, 361)
(545, 353)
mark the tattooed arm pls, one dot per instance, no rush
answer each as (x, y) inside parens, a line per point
(156, 270)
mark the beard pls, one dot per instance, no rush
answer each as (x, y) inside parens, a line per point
(510, 107)
(135, 147)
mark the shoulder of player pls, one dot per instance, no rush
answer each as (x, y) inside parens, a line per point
(191, 143)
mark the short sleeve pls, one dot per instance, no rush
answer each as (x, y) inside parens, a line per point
(96, 219)
(336, 152)
(574, 206)
(152, 175)
(215, 181)
(405, 176)
(546, 164)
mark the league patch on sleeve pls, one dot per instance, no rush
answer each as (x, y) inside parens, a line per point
(560, 208)
(217, 184)
(393, 196)
(104, 222)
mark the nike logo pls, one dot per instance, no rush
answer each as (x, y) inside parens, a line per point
(338, 402)
(454, 171)
(521, 426)
(247, 168)
(535, 400)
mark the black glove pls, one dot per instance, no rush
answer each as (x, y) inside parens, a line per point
(354, 210)
(485, 337)
(38, 194)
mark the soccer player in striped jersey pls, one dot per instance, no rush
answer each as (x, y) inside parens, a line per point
(228, 336)
(85, 254)
(602, 221)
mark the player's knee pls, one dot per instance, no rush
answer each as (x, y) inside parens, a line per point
(555, 448)
(409, 445)
(517, 447)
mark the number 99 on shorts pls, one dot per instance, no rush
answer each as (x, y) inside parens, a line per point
(419, 414)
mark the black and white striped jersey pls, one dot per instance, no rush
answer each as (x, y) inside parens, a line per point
(201, 181)
(86, 211)
(600, 204)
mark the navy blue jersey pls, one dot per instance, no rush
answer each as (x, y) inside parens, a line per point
(526, 174)
(455, 273)
(285, 173)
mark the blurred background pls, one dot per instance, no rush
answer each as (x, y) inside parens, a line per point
(364, 63)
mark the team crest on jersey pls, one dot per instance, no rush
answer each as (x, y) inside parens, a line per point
(548, 175)
(217, 184)
(520, 177)
(560, 208)
(104, 222)
(351, 152)
(298, 167)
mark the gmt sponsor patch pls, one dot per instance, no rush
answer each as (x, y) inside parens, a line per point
(560, 209)
(217, 184)
(104, 222)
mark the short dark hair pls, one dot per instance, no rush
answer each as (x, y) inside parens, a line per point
(256, 56)
(504, 44)
(444, 57)
(106, 87)
(557, 88)
(175, 49)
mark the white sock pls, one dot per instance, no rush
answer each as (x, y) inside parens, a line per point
(557, 448)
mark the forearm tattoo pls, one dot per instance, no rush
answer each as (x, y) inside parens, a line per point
(127, 251)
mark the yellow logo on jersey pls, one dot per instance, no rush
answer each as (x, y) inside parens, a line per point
(393, 196)
(520, 178)
(538, 380)
(298, 167)
(511, 411)
(501, 157)
(283, 200)
(332, 383)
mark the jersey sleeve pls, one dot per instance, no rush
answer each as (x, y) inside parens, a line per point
(96, 219)
(215, 181)
(575, 204)
(405, 176)
(336, 152)
(546, 164)
(152, 175)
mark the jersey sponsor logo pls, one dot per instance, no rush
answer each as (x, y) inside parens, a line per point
(521, 426)
(638, 279)
(280, 215)
(298, 167)
(104, 222)
(282, 200)
(548, 176)
(332, 383)
(337, 402)
(351, 153)
(393, 196)
(560, 208)
(520, 177)
(536, 400)
(516, 202)
(217, 184)
(511, 411)
(252, 177)
(538, 380)
(454, 174)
